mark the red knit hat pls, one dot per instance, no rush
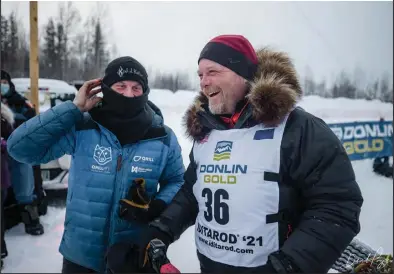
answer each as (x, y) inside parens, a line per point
(234, 52)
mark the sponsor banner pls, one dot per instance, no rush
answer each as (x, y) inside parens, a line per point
(363, 140)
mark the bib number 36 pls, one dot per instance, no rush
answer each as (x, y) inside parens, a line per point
(216, 208)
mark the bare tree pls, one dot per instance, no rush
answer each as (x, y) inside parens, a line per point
(359, 81)
(344, 87)
(14, 49)
(322, 91)
(5, 45)
(69, 18)
(173, 82)
(386, 93)
(309, 84)
(49, 56)
(370, 92)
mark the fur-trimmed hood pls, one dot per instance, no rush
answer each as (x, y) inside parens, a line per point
(273, 93)
(7, 114)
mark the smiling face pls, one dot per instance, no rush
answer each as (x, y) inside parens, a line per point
(128, 88)
(223, 87)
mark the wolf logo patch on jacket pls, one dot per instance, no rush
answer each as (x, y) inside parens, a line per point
(102, 155)
(100, 175)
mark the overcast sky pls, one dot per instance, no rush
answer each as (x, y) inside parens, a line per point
(327, 37)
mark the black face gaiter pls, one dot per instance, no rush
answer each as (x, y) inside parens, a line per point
(129, 118)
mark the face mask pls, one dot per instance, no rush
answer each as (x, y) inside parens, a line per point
(5, 88)
(122, 105)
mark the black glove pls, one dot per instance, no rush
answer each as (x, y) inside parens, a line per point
(282, 263)
(132, 257)
(122, 258)
(144, 241)
(137, 206)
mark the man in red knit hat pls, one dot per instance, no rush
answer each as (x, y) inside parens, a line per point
(269, 187)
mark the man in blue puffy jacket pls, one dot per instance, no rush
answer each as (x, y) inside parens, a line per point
(121, 153)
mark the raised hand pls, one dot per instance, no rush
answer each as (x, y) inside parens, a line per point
(86, 97)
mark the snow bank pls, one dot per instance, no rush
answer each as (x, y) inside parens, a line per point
(334, 110)
(331, 110)
(166, 98)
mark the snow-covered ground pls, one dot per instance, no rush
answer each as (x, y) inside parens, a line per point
(40, 254)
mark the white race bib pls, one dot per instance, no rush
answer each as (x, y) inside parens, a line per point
(233, 196)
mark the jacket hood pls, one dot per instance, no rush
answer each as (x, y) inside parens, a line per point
(7, 114)
(273, 93)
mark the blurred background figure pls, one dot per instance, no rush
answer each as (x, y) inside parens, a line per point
(7, 121)
(22, 175)
(381, 165)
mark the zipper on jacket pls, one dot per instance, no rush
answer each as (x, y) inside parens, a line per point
(112, 214)
(119, 162)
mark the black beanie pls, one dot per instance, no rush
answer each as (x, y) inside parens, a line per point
(234, 52)
(125, 68)
(5, 75)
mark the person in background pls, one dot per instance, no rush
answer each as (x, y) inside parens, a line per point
(7, 126)
(23, 175)
(381, 164)
(269, 187)
(122, 152)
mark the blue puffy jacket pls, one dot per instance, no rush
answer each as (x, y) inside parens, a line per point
(100, 175)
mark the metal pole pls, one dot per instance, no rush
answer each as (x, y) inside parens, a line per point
(34, 63)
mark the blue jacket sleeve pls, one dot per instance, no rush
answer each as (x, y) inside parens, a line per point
(172, 176)
(46, 137)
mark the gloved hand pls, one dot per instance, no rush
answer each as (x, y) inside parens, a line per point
(137, 206)
(121, 258)
(132, 257)
(282, 263)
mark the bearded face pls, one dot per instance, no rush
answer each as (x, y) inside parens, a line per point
(223, 87)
